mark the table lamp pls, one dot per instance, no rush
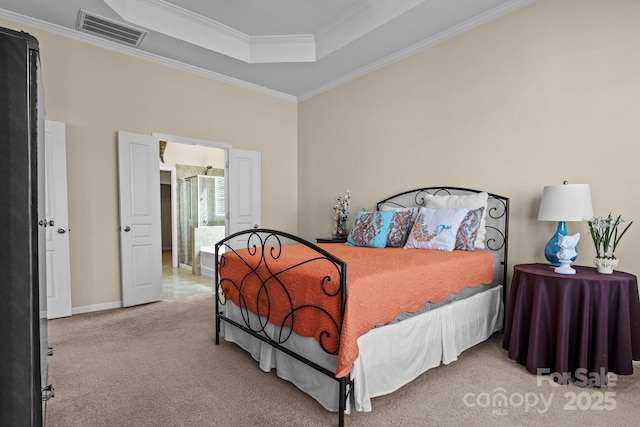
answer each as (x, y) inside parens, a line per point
(562, 203)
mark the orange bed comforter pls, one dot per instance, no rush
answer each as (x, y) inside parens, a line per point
(381, 283)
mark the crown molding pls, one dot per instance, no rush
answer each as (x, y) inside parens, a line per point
(474, 22)
(188, 26)
(185, 25)
(362, 19)
(278, 49)
(106, 44)
(295, 40)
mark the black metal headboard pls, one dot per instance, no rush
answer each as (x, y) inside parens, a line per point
(497, 220)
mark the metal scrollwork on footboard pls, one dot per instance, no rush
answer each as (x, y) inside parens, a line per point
(262, 255)
(263, 291)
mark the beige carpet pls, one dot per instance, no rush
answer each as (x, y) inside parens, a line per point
(158, 365)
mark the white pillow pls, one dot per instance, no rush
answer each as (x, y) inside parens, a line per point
(469, 201)
(436, 229)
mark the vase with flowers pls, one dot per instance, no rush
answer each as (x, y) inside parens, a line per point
(604, 232)
(341, 215)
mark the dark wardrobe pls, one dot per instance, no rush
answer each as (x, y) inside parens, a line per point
(23, 294)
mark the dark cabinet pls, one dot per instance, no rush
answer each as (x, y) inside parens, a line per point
(23, 296)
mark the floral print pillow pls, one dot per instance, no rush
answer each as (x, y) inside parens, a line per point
(468, 231)
(370, 229)
(400, 226)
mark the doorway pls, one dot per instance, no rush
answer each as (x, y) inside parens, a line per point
(141, 228)
(193, 213)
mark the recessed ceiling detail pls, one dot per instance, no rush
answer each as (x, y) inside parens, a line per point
(291, 49)
(110, 29)
(185, 25)
(201, 31)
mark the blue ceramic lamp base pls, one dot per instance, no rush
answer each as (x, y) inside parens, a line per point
(552, 248)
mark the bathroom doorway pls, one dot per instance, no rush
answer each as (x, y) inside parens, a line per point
(193, 211)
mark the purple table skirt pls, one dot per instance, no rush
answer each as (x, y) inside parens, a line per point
(566, 324)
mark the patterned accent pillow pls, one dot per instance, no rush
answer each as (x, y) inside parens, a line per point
(468, 231)
(370, 229)
(400, 226)
(436, 229)
(469, 201)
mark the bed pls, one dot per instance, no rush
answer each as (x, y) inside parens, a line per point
(346, 323)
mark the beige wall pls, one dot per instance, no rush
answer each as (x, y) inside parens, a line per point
(97, 92)
(546, 94)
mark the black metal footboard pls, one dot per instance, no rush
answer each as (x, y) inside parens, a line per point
(260, 251)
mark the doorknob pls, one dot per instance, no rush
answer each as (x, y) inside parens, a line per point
(127, 228)
(255, 225)
(51, 223)
(61, 230)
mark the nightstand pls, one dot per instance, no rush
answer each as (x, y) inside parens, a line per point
(330, 240)
(578, 326)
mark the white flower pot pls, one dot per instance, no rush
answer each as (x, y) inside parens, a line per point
(605, 265)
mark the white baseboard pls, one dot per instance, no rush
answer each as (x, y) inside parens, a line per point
(96, 307)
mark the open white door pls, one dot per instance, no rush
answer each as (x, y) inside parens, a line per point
(244, 191)
(140, 226)
(57, 214)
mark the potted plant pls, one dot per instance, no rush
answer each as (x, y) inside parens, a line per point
(604, 232)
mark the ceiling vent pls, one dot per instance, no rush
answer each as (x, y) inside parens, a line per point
(110, 29)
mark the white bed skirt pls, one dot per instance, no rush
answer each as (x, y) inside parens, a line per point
(390, 356)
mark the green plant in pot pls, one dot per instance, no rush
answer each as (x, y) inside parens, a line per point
(605, 236)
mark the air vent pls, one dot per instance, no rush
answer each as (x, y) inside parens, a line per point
(107, 28)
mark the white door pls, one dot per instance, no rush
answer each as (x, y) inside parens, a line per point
(140, 226)
(244, 191)
(56, 213)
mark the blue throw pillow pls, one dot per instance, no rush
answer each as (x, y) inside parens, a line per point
(370, 229)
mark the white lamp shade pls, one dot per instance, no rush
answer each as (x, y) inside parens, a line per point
(566, 202)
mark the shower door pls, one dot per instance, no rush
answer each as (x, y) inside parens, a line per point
(187, 220)
(201, 205)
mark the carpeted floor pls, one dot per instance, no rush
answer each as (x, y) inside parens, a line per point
(158, 365)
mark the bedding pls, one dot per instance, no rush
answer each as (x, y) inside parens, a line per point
(387, 359)
(436, 229)
(468, 231)
(469, 201)
(324, 340)
(418, 276)
(370, 229)
(400, 226)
